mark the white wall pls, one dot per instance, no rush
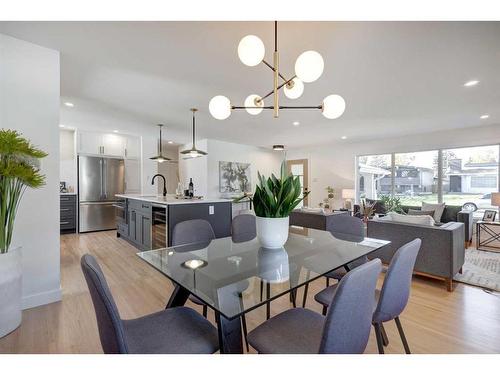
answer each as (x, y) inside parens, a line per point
(67, 157)
(195, 168)
(205, 170)
(334, 164)
(169, 170)
(29, 103)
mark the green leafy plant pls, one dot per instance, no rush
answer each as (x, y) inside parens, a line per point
(18, 170)
(392, 204)
(276, 197)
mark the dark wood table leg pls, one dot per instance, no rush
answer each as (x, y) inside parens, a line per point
(178, 297)
(230, 338)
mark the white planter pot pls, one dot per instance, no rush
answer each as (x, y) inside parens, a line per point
(10, 290)
(272, 232)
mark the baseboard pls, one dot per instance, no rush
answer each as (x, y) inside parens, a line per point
(43, 298)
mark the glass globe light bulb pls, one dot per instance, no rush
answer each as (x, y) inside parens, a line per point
(251, 50)
(309, 66)
(250, 101)
(220, 107)
(333, 106)
(296, 91)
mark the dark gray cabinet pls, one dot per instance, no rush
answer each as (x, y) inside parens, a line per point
(218, 214)
(139, 227)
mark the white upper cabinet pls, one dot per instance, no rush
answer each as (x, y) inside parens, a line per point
(132, 147)
(89, 143)
(113, 145)
(108, 144)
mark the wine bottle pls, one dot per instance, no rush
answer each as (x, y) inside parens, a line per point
(191, 188)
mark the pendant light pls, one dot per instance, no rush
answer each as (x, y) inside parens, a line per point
(193, 152)
(160, 158)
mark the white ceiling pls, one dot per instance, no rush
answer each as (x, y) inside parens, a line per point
(396, 77)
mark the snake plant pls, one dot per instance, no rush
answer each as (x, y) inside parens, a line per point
(18, 170)
(276, 197)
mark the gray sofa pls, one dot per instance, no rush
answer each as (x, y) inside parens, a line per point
(450, 214)
(443, 247)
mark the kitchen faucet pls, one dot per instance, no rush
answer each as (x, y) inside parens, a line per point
(164, 183)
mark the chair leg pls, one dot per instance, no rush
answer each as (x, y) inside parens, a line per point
(261, 289)
(402, 334)
(304, 298)
(378, 335)
(385, 339)
(268, 304)
(293, 297)
(205, 310)
(325, 308)
(245, 332)
(449, 284)
(327, 282)
(306, 288)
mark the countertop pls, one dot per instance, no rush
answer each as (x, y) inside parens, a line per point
(170, 199)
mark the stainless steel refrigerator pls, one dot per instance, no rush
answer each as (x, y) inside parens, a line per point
(99, 179)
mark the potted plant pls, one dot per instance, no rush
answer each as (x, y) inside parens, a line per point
(367, 209)
(273, 200)
(18, 170)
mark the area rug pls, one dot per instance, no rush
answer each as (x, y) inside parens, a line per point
(481, 268)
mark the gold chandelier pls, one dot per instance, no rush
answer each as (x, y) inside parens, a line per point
(308, 68)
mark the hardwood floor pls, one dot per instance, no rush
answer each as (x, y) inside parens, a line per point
(435, 321)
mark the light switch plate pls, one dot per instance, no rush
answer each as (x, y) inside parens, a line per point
(210, 210)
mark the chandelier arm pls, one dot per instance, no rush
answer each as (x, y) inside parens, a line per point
(279, 87)
(281, 107)
(272, 68)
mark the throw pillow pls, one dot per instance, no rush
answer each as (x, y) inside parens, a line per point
(420, 212)
(410, 219)
(438, 209)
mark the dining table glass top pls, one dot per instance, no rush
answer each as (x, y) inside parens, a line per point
(234, 278)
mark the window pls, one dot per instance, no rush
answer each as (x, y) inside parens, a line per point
(374, 176)
(416, 177)
(470, 175)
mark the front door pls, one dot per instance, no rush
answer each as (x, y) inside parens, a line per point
(299, 168)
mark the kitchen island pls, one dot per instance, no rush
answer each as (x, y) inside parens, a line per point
(147, 221)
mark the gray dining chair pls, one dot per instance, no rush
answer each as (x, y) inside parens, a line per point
(178, 330)
(392, 298)
(395, 292)
(347, 228)
(344, 330)
(200, 231)
(191, 232)
(243, 228)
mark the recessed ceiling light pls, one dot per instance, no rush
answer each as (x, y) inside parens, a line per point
(278, 147)
(296, 123)
(69, 104)
(471, 83)
(61, 125)
(170, 142)
(115, 131)
(343, 137)
(484, 117)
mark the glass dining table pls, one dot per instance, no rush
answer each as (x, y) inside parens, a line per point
(230, 277)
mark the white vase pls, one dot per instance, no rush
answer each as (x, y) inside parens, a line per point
(272, 232)
(273, 265)
(10, 290)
